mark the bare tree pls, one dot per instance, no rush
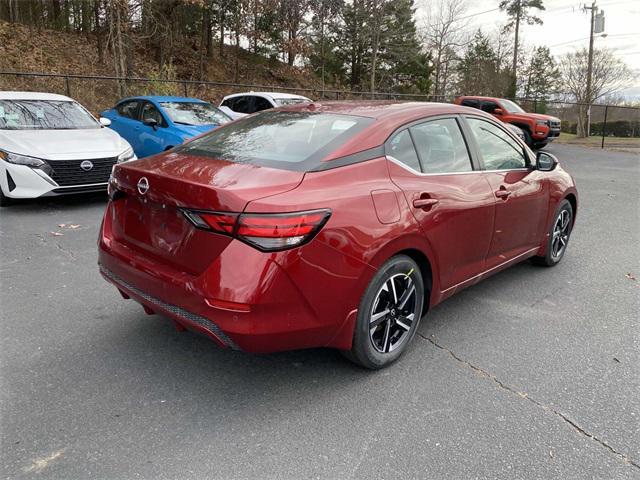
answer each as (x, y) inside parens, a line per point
(609, 75)
(445, 31)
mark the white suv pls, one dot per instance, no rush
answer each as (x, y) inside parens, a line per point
(240, 104)
(51, 145)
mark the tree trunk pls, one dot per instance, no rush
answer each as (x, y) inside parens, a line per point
(98, 31)
(514, 81)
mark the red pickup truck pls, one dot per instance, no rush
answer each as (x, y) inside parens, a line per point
(538, 129)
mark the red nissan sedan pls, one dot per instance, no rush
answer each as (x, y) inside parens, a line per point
(330, 225)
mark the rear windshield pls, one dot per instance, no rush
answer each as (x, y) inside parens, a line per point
(289, 140)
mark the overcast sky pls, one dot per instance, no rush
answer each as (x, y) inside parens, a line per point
(566, 27)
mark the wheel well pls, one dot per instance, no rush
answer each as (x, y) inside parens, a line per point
(168, 148)
(425, 268)
(574, 203)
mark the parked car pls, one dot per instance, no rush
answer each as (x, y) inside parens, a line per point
(240, 104)
(51, 145)
(538, 129)
(153, 124)
(517, 130)
(337, 225)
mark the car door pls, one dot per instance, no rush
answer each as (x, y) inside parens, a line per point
(125, 122)
(446, 193)
(152, 140)
(521, 192)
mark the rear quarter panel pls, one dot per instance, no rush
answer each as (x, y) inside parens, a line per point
(333, 270)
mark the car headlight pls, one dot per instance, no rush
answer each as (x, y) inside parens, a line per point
(22, 159)
(542, 122)
(127, 155)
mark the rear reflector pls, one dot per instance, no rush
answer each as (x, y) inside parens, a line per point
(265, 231)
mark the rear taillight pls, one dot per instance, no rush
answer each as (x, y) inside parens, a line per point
(266, 231)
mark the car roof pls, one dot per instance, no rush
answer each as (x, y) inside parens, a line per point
(163, 98)
(34, 96)
(267, 94)
(392, 110)
(389, 115)
(476, 97)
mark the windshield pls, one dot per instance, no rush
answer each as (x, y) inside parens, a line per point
(192, 113)
(290, 140)
(511, 107)
(44, 115)
(290, 101)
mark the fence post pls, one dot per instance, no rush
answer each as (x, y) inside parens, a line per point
(535, 105)
(184, 85)
(67, 87)
(604, 125)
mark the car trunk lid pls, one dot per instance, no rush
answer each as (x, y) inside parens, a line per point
(152, 222)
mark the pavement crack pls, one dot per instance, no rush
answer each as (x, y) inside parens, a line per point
(524, 395)
(64, 250)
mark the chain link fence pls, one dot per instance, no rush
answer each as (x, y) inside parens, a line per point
(611, 125)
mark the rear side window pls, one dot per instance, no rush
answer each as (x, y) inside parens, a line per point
(261, 103)
(129, 109)
(401, 148)
(242, 104)
(441, 147)
(289, 140)
(468, 102)
(488, 106)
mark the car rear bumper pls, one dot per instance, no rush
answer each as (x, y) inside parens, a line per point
(245, 299)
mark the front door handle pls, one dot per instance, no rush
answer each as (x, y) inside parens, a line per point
(502, 193)
(425, 202)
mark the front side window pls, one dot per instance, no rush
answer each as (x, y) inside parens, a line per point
(498, 150)
(290, 140)
(441, 147)
(44, 115)
(194, 113)
(401, 148)
(129, 109)
(150, 112)
(511, 107)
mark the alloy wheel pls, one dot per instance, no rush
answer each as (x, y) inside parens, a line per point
(560, 235)
(394, 312)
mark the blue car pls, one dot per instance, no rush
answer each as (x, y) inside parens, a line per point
(153, 124)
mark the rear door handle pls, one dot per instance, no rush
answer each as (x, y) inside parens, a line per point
(502, 193)
(424, 202)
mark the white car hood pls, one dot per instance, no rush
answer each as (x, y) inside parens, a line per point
(64, 144)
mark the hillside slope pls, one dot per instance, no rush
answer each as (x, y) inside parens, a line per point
(24, 49)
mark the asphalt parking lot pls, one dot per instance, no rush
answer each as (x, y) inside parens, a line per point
(534, 373)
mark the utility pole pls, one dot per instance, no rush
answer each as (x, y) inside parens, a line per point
(594, 10)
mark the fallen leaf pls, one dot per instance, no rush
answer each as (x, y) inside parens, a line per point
(57, 234)
(630, 276)
(616, 360)
(61, 225)
(74, 226)
(551, 453)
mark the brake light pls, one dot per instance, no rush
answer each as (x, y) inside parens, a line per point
(265, 231)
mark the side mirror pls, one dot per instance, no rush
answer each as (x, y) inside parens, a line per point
(105, 122)
(545, 162)
(497, 111)
(151, 122)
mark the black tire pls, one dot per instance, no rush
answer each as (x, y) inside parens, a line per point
(559, 234)
(398, 289)
(527, 137)
(4, 201)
